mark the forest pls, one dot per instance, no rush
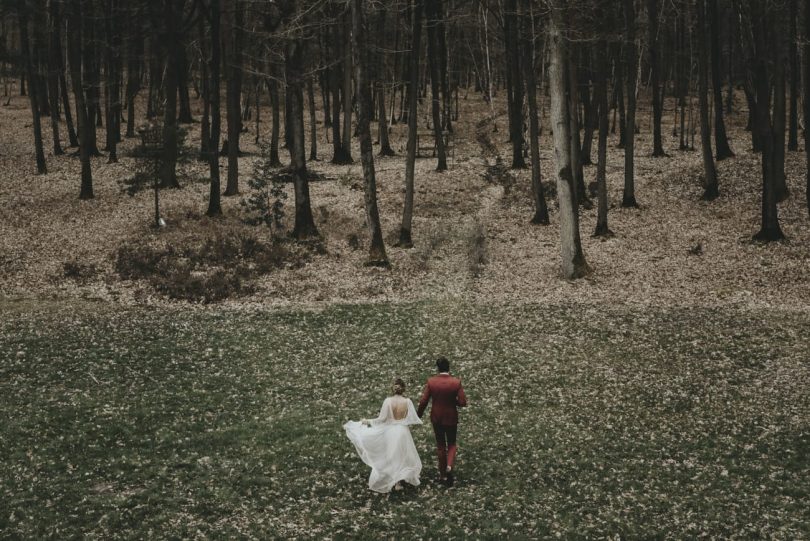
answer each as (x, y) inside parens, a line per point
(227, 225)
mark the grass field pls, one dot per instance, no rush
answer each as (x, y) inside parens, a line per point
(583, 421)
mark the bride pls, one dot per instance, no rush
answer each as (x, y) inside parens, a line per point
(385, 443)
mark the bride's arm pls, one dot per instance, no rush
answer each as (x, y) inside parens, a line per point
(383, 416)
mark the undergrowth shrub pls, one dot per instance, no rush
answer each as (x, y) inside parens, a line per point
(211, 270)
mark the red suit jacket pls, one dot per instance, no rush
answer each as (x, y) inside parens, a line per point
(447, 394)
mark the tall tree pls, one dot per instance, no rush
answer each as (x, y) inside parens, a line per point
(630, 67)
(515, 78)
(806, 100)
(54, 63)
(765, 29)
(573, 258)
(294, 63)
(382, 117)
(432, 24)
(213, 15)
(795, 79)
(720, 139)
(601, 99)
(377, 254)
(709, 171)
(171, 43)
(33, 87)
(233, 92)
(346, 91)
(74, 35)
(528, 37)
(405, 239)
(652, 28)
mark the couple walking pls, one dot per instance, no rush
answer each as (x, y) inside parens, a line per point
(385, 443)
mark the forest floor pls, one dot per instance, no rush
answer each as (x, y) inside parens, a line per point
(664, 396)
(629, 422)
(472, 235)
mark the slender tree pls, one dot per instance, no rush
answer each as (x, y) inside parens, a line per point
(795, 79)
(709, 171)
(432, 24)
(601, 99)
(405, 239)
(54, 64)
(806, 100)
(573, 259)
(33, 87)
(630, 65)
(377, 254)
(528, 36)
(213, 14)
(652, 28)
(233, 92)
(720, 139)
(74, 35)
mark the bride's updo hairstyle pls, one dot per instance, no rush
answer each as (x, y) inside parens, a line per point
(398, 387)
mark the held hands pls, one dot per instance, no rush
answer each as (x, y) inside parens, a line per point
(365, 422)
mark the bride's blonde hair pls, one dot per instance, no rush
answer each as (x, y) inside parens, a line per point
(398, 387)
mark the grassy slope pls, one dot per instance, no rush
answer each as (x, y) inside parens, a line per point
(582, 421)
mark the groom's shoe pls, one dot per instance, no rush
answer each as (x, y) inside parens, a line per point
(450, 477)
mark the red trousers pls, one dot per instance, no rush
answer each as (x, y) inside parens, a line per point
(446, 447)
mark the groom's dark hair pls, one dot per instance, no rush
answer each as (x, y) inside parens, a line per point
(442, 364)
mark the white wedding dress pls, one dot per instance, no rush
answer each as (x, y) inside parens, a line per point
(387, 445)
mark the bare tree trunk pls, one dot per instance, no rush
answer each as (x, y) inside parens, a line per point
(376, 254)
(54, 70)
(806, 101)
(652, 17)
(720, 139)
(304, 223)
(763, 28)
(528, 35)
(168, 165)
(75, 59)
(795, 78)
(601, 99)
(276, 131)
(313, 125)
(134, 50)
(709, 171)
(435, 80)
(33, 88)
(347, 90)
(573, 259)
(214, 201)
(629, 196)
(233, 95)
(514, 83)
(405, 239)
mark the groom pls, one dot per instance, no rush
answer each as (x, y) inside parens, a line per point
(447, 394)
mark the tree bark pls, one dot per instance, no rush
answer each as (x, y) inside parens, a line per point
(601, 99)
(528, 35)
(347, 90)
(214, 201)
(514, 83)
(405, 239)
(652, 17)
(313, 125)
(435, 79)
(233, 98)
(276, 130)
(168, 164)
(74, 35)
(377, 255)
(795, 78)
(304, 223)
(33, 88)
(709, 171)
(631, 55)
(720, 138)
(806, 101)
(573, 259)
(763, 26)
(54, 62)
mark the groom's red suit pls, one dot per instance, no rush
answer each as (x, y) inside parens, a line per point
(447, 394)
